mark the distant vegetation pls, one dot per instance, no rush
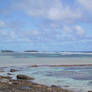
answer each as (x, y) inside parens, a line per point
(7, 51)
(31, 51)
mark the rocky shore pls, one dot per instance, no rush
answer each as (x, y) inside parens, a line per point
(23, 83)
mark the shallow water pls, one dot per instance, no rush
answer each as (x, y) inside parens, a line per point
(77, 78)
(18, 59)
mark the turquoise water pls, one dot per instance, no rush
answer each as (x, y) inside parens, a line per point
(64, 58)
(78, 78)
(48, 54)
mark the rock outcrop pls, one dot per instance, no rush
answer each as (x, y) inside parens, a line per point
(13, 70)
(24, 77)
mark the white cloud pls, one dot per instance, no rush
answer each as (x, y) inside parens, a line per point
(79, 30)
(50, 9)
(7, 35)
(74, 30)
(35, 33)
(2, 24)
(87, 4)
(63, 14)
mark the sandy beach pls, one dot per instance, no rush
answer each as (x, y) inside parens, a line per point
(13, 61)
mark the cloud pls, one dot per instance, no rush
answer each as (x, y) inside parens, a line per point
(76, 29)
(51, 10)
(46, 34)
(71, 33)
(2, 24)
(79, 30)
(87, 4)
(64, 14)
(57, 16)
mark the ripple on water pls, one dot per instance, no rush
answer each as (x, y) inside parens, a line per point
(68, 77)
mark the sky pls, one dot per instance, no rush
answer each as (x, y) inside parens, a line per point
(46, 25)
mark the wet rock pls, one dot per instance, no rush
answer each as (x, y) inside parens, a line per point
(23, 88)
(9, 73)
(15, 83)
(10, 83)
(38, 86)
(4, 80)
(54, 86)
(34, 65)
(27, 86)
(13, 70)
(24, 77)
(5, 77)
(49, 89)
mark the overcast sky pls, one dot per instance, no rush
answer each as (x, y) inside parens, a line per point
(49, 25)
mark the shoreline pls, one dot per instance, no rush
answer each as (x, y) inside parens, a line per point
(71, 65)
(36, 65)
(39, 65)
(9, 83)
(25, 84)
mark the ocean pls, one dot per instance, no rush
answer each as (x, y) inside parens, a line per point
(45, 58)
(77, 78)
